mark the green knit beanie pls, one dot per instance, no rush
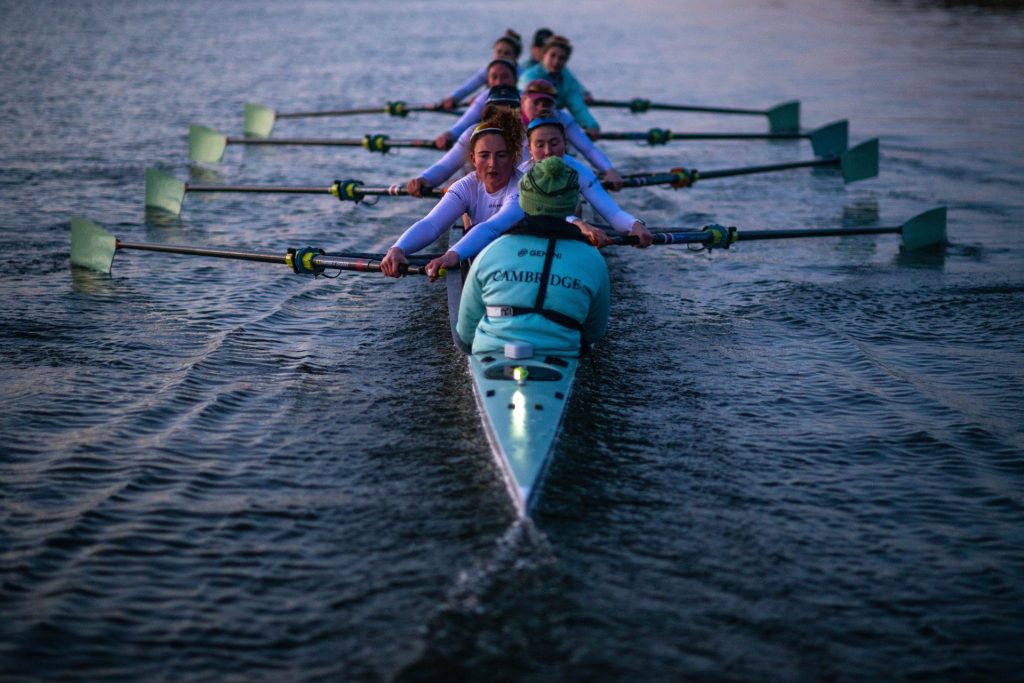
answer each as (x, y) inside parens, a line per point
(550, 189)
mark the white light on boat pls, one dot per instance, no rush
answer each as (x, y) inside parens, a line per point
(520, 374)
(518, 414)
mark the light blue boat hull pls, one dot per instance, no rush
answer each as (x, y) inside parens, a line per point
(521, 417)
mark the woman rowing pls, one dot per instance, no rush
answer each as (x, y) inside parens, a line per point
(556, 53)
(537, 47)
(495, 148)
(537, 101)
(508, 47)
(499, 72)
(500, 97)
(546, 139)
(541, 283)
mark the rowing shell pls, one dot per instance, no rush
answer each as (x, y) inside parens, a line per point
(521, 403)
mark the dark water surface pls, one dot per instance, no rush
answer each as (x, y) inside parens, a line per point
(794, 461)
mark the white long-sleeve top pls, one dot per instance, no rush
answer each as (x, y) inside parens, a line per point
(453, 159)
(477, 80)
(467, 195)
(473, 242)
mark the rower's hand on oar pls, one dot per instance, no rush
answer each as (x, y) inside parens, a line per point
(394, 263)
(448, 103)
(417, 186)
(612, 177)
(444, 140)
(642, 234)
(599, 238)
(449, 261)
(593, 133)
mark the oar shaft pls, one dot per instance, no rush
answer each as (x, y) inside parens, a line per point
(679, 107)
(367, 263)
(746, 170)
(815, 232)
(644, 135)
(393, 108)
(205, 251)
(705, 236)
(334, 112)
(275, 189)
(321, 142)
(374, 145)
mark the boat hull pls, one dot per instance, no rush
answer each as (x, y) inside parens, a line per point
(521, 402)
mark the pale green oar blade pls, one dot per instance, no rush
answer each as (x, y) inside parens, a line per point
(164, 191)
(860, 162)
(785, 118)
(925, 230)
(91, 246)
(831, 140)
(259, 120)
(205, 144)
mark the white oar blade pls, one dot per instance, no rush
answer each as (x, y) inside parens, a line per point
(164, 191)
(205, 144)
(259, 120)
(91, 246)
(785, 118)
(925, 230)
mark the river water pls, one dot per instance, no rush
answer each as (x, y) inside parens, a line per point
(798, 461)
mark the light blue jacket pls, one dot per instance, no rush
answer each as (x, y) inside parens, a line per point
(507, 273)
(570, 93)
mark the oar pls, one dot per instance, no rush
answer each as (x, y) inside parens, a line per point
(923, 231)
(782, 118)
(829, 140)
(856, 163)
(259, 119)
(207, 145)
(93, 247)
(166, 193)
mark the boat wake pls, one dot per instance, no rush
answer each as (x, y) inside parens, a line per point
(498, 616)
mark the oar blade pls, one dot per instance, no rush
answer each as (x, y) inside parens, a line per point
(206, 144)
(91, 246)
(925, 230)
(785, 118)
(259, 120)
(163, 191)
(860, 162)
(832, 139)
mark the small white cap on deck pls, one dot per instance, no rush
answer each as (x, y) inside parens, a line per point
(518, 350)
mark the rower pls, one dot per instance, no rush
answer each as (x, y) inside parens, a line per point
(495, 149)
(542, 283)
(499, 97)
(537, 47)
(499, 72)
(539, 98)
(537, 101)
(556, 52)
(547, 139)
(508, 47)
